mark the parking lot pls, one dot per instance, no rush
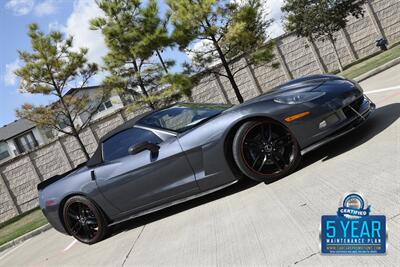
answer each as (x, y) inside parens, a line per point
(258, 224)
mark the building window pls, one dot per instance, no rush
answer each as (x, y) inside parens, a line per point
(108, 104)
(26, 142)
(105, 105)
(4, 151)
(62, 122)
(62, 125)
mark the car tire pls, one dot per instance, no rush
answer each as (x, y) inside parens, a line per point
(84, 220)
(260, 151)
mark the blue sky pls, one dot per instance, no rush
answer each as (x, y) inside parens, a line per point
(69, 16)
(14, 20)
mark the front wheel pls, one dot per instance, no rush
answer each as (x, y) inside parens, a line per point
(83, 220)
(265, 151)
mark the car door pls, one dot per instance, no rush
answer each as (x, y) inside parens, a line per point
(146, 179)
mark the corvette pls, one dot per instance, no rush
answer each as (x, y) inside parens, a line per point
(187, 150)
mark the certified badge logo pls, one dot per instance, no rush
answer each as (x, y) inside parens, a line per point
(353, 205)
(353, 230)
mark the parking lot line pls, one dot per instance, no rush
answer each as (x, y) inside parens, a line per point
(70, 245)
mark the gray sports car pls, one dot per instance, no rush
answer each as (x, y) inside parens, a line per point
(188, 150)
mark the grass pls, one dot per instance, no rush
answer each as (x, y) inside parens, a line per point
(21, 225)
(371, 63)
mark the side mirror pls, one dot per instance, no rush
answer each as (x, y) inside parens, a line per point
(135, 149)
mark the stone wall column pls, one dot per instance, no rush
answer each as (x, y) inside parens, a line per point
(95, 137)
(9, 193)
(374, 19)
(122, 116)
(252, 75)
(283, 64)
(94, 133)
(221, 88)
(34, 167)
(316, 55)
(65, 154)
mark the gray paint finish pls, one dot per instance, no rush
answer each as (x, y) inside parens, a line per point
(196, 160)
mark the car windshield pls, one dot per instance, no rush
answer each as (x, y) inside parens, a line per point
(182, 117)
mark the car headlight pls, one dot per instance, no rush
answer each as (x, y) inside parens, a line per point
(298, 98)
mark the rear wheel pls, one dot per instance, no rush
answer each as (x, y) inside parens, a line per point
(264, 150)
(83, 220)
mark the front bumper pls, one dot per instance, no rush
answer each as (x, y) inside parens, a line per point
(350, 116)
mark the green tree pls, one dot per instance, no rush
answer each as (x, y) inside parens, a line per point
(125, 60)
(227, 30)
(136, 35)
(155, 30)
(52, 68)
(315, 19)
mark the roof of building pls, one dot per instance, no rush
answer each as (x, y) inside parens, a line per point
(74, 90)
(15, 128)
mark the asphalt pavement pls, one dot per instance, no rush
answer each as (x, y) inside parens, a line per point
(249, 223)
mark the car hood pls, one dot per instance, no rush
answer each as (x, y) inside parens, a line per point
(307, 83)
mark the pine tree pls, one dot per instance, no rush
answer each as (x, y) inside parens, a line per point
(136, 35)
(226, 30)
(52, 68)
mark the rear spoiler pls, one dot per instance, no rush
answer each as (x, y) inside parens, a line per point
(55, 178)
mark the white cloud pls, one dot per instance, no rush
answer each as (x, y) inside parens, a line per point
(20, 7)
(9, 78)
(56, 26)
(77, 25)
(38, 7)
(46, 7)
(273, 11)
(201, 46)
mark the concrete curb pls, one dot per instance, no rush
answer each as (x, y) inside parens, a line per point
(377, 70)
(25, 237)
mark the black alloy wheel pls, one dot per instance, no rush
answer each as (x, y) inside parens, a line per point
(83, 220)
(265, 150)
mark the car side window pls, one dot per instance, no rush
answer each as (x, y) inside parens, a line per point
(117, 146)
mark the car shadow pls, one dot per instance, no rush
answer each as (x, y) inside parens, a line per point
(382, 118)
(241, 185)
